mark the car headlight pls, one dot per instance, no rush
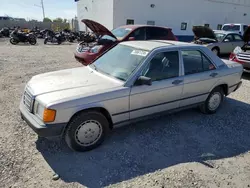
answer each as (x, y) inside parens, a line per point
(47, 115)
(95, 49)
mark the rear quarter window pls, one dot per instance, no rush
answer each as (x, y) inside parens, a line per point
(156, 33)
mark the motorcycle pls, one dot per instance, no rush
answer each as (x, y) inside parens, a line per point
(53, 37)
(5, 32)
(17, 37)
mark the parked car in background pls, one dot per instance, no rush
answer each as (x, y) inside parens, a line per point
(135, 79)
(220, 42)
(107, 39)
(239, 28)
(241, 54)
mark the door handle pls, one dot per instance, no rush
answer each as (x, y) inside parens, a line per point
(213, 74)
(176, 82)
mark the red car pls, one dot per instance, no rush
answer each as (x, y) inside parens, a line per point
(108, 39)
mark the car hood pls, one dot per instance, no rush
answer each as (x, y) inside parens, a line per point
(97, 28)
(203, 32)
(70, 82)
(246, 35)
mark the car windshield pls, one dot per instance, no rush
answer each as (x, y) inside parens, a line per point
(231, 28)
(120, 33)
(219, 36)
(120, 62)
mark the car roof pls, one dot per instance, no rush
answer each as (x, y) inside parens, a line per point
(235, 24)
(225, 32)
(152, 44)
(138, 26)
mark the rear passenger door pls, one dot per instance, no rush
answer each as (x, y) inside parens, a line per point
(156, 33)
(199, 77)
(238, 41)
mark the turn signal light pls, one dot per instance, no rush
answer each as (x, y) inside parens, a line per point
(49, 115)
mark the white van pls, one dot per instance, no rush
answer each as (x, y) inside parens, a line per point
(237, 27)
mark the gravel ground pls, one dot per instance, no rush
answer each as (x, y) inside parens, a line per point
(176, 150)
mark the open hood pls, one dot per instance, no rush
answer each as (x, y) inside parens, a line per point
(97, 28)
(203, 32)
(246, 35)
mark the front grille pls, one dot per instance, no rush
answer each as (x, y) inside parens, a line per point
(28, 100)
(244, 57)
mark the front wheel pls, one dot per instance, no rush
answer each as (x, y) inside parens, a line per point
(45, 41)
(13, 41)
(216, 51)
(86, 131)
(213, 101)
(32, 41)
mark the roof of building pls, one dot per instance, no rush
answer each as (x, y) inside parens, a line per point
(152, 44)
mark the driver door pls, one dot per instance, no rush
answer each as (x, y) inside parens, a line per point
(166, 89)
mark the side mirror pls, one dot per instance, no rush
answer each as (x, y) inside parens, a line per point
(143, 80)
(131, 38)
(226, 40)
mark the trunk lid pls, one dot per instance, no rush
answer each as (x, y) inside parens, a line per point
(232, 64)
(97, 28)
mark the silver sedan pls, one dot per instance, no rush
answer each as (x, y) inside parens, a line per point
(133, 80)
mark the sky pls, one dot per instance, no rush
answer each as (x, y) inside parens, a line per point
(27, 9)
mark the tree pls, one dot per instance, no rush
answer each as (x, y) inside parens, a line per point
(47, 20)
(59, 20)
(65, 20)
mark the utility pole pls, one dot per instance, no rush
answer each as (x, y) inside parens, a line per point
(41, 6)
(43, 9)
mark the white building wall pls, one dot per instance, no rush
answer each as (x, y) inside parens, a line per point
(98, 10)
(172, 13)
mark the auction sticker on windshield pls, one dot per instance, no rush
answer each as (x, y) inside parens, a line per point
(139, 52)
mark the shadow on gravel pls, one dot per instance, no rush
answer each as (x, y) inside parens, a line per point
(136, 150)
(246, 75)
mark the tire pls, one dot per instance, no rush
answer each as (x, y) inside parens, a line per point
(32, 41)
(216, 51)
(45, 41)
(59, 42)
(86, 131)
(13, 41)
(213, 102)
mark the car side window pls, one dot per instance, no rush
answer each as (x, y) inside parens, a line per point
(195, 62)
(229, 37)
(237, 38)
(156, 33)
(163, 66)
(138, 34)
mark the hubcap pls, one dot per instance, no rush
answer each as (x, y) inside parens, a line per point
(88, 133)
(214, 101)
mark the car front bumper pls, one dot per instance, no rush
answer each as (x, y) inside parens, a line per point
(41, 129)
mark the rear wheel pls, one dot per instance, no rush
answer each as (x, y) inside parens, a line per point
(86, 131)
(13, 41)
(213, 101)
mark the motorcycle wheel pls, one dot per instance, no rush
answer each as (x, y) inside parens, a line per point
(59, 42)
(32, 41)
(13, 41)
(45, 41)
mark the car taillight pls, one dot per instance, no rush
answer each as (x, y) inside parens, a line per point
(232, 56)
